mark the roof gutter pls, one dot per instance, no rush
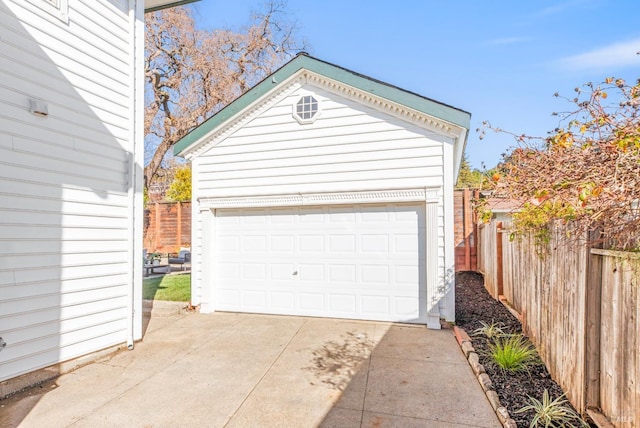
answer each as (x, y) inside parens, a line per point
(168, 4)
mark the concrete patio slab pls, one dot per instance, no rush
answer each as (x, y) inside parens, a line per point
(244, 370)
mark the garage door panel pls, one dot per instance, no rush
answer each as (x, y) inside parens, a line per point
(339, 273)
(252, 243)
(342, 303)
(282, 243)
(341, 215)
(345, 243)
(254, 300)
(311, 272)
(228, 271)
(229, 243)
(311, 215)
(406, 306)
(376, 306)
(282, 301)
(254, 271)
(311, 243)
(374, 275)
(374, 214)
(407, 275)
(311, 303)
(405, 243)
(282, 271)
(374, 243)
(228, 299)
(361, 262)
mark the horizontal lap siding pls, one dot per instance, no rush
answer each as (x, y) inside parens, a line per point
(348, 147)
(64, 207)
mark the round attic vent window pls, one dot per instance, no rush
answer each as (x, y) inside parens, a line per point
(306, 110)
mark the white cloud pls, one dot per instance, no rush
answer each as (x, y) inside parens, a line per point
(615, 56)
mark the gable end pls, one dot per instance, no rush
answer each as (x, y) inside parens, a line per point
(384, 97)
(305, 77)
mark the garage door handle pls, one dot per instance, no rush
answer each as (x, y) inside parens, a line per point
(295, 272)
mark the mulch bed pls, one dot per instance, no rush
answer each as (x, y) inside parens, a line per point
(473, 305)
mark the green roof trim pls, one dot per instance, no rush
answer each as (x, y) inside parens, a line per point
(172, 4)
(417, 102)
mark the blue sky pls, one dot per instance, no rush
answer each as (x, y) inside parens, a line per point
(502, 61)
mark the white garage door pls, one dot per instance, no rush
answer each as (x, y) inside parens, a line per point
(359, 262)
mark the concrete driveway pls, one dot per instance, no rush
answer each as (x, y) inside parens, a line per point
(243, 370)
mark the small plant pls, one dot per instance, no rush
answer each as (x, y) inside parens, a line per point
(490, 331)
(513, 353)
(552, 413)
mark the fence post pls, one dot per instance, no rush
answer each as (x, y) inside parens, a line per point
(179, 226)
(466, 226)
(157, 226)
(499, 283)
(593, 321)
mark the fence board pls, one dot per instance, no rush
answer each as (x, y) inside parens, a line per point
(593, 316)
(487, 256)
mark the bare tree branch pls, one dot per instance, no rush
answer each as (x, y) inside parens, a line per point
(191, 74)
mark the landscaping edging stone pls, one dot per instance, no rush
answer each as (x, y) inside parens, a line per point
(483, 379)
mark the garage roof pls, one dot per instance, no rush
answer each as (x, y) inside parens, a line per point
(428, 106)
(153, 5)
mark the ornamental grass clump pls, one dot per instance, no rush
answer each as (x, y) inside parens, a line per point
(552, 413)
(490, 331)
(513, 353)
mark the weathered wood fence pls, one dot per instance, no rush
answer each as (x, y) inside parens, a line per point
(579, 306)
(465, 230)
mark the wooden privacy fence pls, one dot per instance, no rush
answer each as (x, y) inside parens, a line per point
(167, 226)
(464, 230)
(490, 256)
(579, 306)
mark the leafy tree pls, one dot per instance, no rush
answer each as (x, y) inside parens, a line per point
(586, 172)
(470, 178)
(193, 73)
(180, 188)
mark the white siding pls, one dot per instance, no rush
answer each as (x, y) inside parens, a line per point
(64, 180)
(349, 146)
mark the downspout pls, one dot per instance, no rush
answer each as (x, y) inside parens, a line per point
(136, 9)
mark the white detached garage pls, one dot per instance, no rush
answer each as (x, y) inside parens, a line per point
(323, 192)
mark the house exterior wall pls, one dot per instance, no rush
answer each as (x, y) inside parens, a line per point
(69, 187)
(352, 146)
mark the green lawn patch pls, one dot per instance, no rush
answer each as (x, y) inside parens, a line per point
(174, 288)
